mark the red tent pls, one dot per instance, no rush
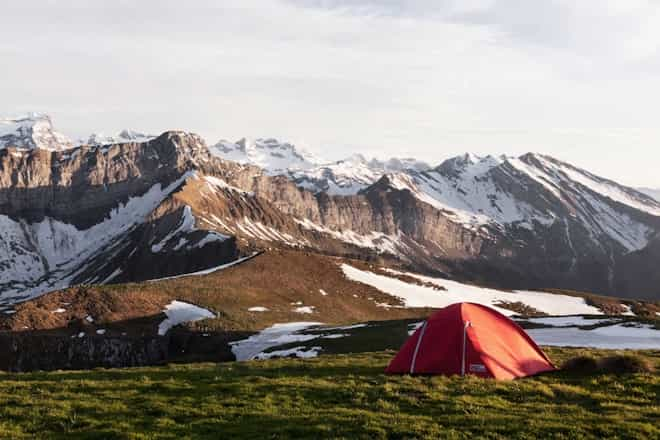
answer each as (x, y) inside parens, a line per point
(467, 338)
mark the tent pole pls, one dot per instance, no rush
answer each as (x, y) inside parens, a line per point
(419, 342)
(465, 327)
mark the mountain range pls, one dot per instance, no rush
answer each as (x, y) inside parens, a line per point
(344, 177)
(135, 207)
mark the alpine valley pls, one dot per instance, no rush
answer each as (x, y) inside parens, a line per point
(104, 231)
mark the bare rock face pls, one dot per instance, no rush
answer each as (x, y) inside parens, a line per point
(30, 352)
(80, 185)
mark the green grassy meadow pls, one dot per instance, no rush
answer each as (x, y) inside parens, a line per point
(333, 396)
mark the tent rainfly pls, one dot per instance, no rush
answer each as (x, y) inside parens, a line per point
(467, 338)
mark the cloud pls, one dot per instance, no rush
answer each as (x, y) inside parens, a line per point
(426, 78)
(625, 28)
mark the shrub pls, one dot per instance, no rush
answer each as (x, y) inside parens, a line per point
(581, 364)
(624, 364)
(520, 308)
(620, 364)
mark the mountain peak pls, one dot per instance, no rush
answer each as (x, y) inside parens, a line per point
(270, 154)
(32, 131)
(356, 158)
(468, 163)
(124, 136)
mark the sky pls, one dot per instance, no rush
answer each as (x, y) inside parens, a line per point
(578, 80)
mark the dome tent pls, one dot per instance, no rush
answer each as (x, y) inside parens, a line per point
(467, 338)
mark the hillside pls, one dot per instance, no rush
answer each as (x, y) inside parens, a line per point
(201, 316)
(291, 285)
(333, 396)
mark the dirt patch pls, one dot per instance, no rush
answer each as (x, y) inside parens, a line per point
(406, 278)
(85, 307)
(645, 309)
(520, 308)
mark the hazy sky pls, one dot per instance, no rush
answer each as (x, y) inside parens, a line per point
(576, 79)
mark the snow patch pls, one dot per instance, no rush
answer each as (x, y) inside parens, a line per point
(273, 336)
(258, 230)
(414, 295)
(179, 312)
(346, 327)
(187, 224)
(216, 182)
(628, 311)
(569, 321)
(207, 271)
(299, 352)
(613, 337)
(113, 275)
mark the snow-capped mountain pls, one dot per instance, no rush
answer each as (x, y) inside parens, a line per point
(343, 177)
(93, 215)
(350, 176)
(33, 131)
(655, 193)
(533, 190)
(122, 137)
(476, 192)
(525, 221)
(269, 154)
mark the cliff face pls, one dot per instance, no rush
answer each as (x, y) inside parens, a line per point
(30, 352)
(41, 351)
(80, 186)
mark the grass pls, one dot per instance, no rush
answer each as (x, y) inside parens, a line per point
(336, 396)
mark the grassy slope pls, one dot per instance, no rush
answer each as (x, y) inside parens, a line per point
(278, 280)
(332, 396)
